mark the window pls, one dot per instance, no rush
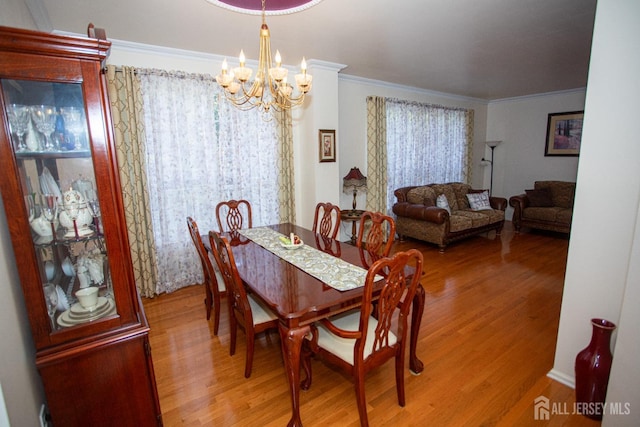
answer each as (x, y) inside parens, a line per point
(426, 144)
(199, 152)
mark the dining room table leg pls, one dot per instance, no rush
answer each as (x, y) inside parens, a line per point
(415, 365)
(291, 339)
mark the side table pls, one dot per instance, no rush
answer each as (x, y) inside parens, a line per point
(352, 216)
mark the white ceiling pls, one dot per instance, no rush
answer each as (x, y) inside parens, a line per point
(487, 49)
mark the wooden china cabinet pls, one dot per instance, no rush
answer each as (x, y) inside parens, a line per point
(64, 208)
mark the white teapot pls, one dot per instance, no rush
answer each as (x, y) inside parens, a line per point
(74, 207)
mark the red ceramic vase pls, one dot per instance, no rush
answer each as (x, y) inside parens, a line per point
(593, 365)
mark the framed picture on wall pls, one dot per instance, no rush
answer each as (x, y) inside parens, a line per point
(564, 133)
(327, 145)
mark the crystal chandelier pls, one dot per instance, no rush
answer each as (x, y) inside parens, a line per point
(269, 90)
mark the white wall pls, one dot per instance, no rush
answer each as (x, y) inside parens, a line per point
(316, 182)
(19, 378)
(602, 278)
(521, 125)
(21, 384)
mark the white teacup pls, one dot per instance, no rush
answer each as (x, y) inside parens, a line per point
(88, 297)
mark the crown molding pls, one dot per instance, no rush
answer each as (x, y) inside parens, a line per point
(362, 80)
(539, 95)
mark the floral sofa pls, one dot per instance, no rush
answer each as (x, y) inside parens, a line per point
(548, 206)
(442, 213)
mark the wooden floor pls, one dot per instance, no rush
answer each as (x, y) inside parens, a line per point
(487, 341)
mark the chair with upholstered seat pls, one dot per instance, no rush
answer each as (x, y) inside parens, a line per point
(375, 236)
(326, 220)
(233, 215)
(213, 282)
(356, 342)
(245, 310)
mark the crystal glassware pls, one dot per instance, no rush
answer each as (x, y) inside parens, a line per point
(73, 211)
(18, 121)
(44, 117)
(31, 206)
(50, 210)
(94, 208)
(74, 122)
(51, 299)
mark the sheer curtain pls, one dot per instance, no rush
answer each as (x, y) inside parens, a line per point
(200, 151)
(425, 144)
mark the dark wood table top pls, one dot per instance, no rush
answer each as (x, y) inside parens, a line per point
(290, 292)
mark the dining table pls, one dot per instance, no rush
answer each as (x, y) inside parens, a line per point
(321, 278)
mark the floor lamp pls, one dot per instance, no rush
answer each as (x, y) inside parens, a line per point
(492, 145)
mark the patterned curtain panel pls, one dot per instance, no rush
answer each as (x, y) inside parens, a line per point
(286, 179)
(376, 155)
(426, 144)
(126, 111)
(201, 150)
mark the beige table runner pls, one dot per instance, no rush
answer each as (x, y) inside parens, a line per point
(335, 272)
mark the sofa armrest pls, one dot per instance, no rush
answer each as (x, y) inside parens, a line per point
(499, 203)
(401, 193)
(519, 202)
(421, 212)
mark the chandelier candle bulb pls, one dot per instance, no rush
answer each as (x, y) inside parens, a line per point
(242, 73)
(224, 78)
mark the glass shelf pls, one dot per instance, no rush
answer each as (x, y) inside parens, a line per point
(47, 124)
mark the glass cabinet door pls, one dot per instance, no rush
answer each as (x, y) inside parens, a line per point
(50, 138)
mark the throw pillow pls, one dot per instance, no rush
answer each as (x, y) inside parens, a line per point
(539, 198)
(442, 202)
(479, 201)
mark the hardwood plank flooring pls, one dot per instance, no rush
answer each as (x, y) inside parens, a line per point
(487, 340)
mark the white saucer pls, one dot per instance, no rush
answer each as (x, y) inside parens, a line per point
(65, 319)
(82, 232)
(78, 311)
(67, 267)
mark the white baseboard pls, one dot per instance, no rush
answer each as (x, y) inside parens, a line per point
(561, 377)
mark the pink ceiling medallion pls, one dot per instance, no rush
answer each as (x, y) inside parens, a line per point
(274, 7)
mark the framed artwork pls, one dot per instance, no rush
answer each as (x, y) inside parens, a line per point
(327, 145)
(564, 133)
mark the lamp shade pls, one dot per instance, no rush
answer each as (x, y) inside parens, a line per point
(354, 181)
(493, 144)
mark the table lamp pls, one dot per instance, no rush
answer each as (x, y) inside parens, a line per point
(353, 182)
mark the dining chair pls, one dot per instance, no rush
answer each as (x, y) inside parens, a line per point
(326, 220)
(233, 215)
(375, 236)
(213, 282)
(356, 342)
(245, 310)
